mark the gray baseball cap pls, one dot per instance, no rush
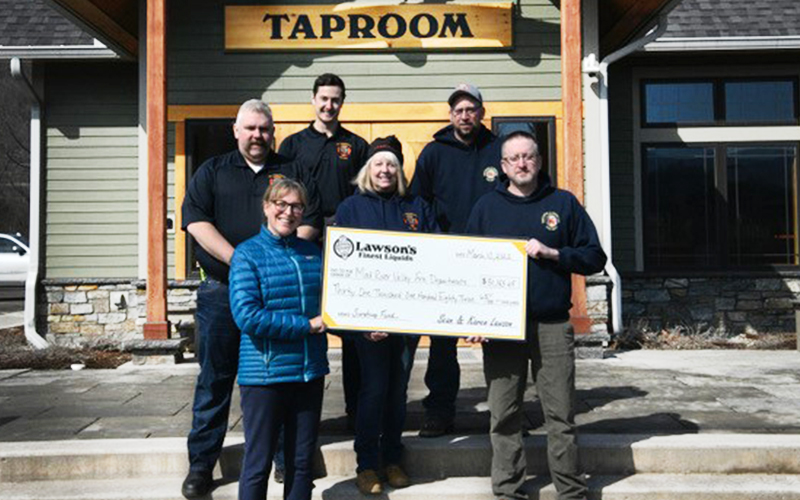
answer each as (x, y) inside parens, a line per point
(465, 89)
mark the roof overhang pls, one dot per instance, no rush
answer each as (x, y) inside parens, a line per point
(623, 20)
(113, 22)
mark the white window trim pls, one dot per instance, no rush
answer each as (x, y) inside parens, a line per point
(695, 135)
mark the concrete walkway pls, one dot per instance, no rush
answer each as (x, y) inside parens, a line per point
(11, 319)
(639, 392)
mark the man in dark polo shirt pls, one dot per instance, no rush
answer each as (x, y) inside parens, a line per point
(222, 208)
(332, 155)
(329, 152)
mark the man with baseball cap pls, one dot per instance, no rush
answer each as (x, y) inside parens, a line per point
(461, 164)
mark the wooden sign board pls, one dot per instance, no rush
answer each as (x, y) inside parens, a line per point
(369, 27)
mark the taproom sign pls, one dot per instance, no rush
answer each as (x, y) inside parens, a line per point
(368, 27)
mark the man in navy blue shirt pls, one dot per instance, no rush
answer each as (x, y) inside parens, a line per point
(454, 170)
(561, 240)
(222, 208)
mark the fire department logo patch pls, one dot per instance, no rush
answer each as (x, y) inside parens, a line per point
(343, 247)
(275, 177)
(411, 220)
(344, 150)
(490, 174)
(551, 220)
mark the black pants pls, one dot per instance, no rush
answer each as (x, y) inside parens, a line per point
(296, 406)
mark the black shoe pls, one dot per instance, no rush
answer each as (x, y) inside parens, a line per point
(197, 484)
(278, 475)
(435, 426)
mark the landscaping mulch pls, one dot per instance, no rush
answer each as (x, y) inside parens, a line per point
(15, 353)
(677, 338)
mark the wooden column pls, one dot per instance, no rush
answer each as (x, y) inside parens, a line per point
(157, 326)
(572, 102)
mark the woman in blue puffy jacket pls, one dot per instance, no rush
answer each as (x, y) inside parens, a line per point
(381, 202)
(274, 289)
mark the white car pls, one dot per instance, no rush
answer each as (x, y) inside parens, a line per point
(14, 258)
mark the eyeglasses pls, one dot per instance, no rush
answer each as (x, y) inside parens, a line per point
(297, 208)
(465, 111)
(526, 158)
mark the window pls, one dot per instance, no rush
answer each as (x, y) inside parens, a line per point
(8, 246)
(720, 206)
(677, 102)
(542, 128)
(679, 206)
(761, 195)
(760, 101)
(715, 102)
(714, 197)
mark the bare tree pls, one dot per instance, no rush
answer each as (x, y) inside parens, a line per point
(14, 154)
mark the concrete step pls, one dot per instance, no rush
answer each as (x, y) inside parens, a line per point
(451, 456)
(636, 487)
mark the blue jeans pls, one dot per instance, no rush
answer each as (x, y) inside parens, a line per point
(442, 378)
(265, 408)
(385, 369)
(218, 355)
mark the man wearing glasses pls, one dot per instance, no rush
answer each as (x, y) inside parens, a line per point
(561, 240)
(222, 208)
(461, 164)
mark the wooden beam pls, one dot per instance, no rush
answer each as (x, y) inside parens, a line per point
(180, 194)
(571, 96)
(572, 120)
(99, 24)
(370, 112)
(157, 326)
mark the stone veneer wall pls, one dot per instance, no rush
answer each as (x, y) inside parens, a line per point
(81, 312)
(728, 305)
(598, 303)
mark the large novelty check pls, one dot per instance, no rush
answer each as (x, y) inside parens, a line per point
(427, 284)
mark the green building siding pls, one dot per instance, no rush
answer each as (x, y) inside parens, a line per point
(201, 72)
(91, 170)
(622, 180)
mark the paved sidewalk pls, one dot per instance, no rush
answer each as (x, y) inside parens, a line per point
(642, 392)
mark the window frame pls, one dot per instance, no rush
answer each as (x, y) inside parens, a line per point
(632, 243)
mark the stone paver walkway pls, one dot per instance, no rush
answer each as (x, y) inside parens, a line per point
(650, 392)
